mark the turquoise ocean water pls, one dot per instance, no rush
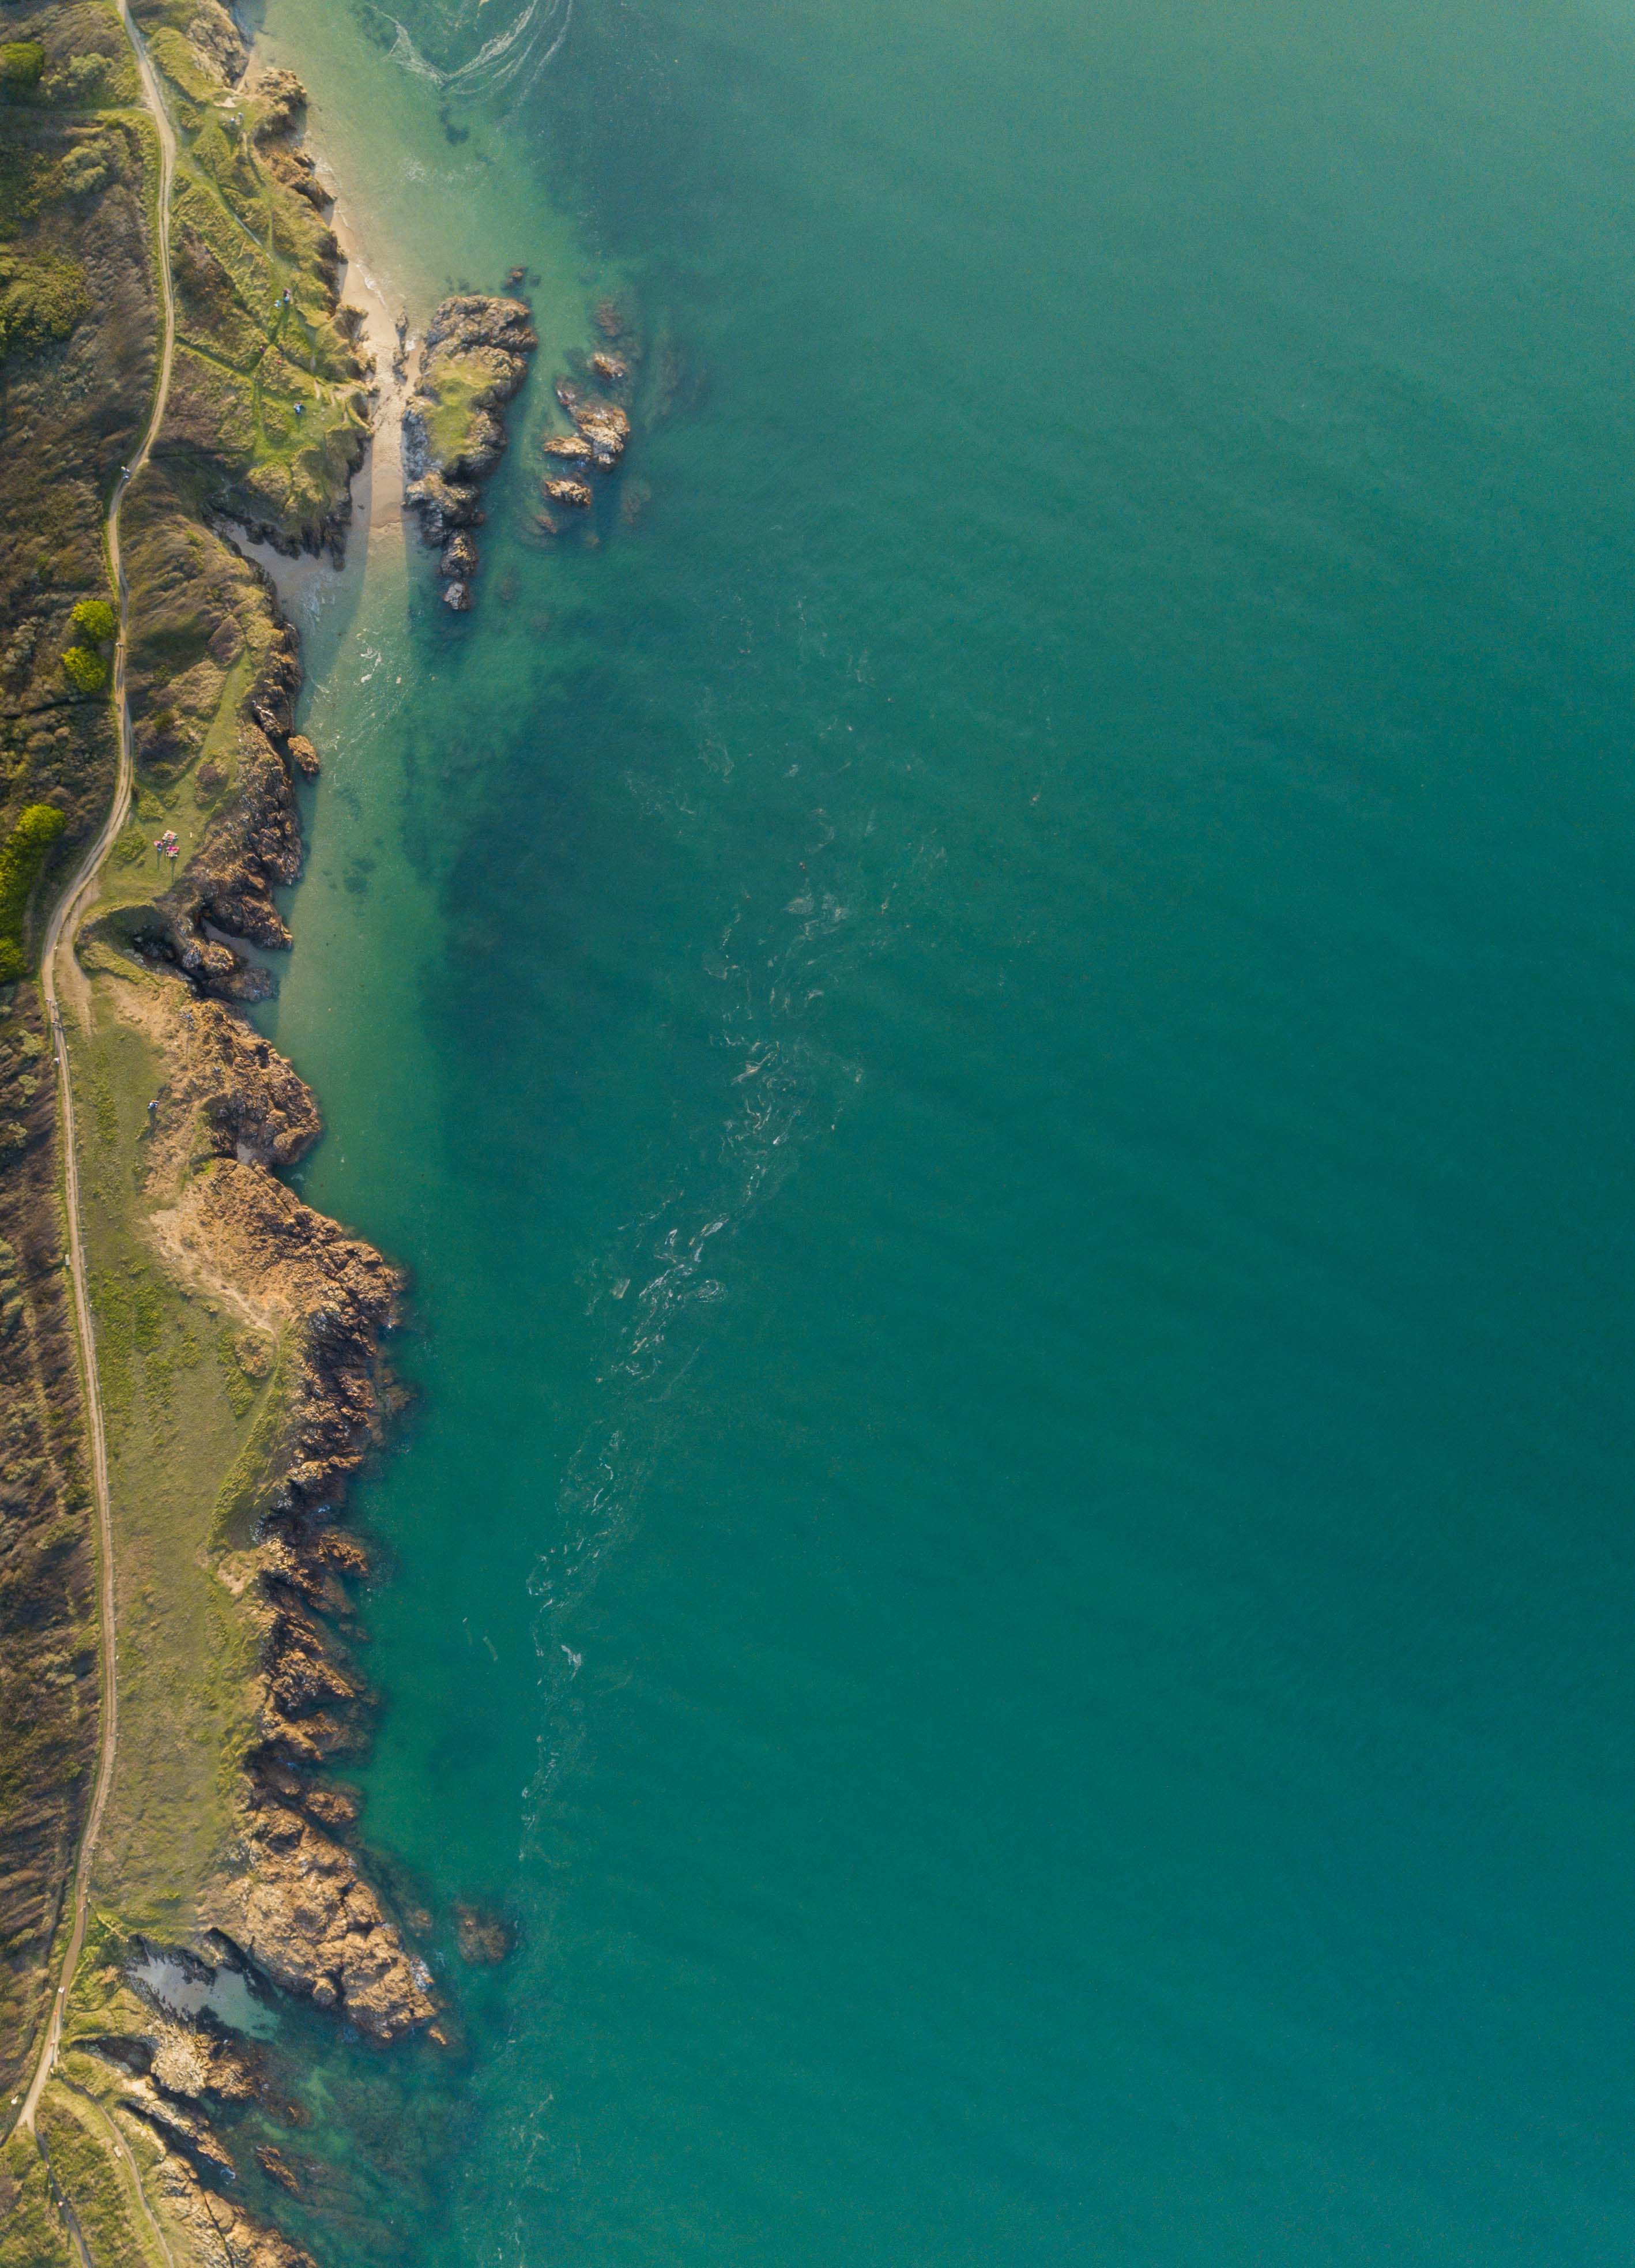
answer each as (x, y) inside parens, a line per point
(1000, 1041)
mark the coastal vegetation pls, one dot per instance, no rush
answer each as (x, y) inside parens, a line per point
(78, 327)
(236, 1333)
(269, 411)
(22, 64)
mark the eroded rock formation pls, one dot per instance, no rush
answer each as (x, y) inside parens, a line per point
(308, 1920)
(231, 1111)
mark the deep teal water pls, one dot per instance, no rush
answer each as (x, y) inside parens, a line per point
(1000, 1041)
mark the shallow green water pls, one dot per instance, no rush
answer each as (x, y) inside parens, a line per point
(1000, 1044)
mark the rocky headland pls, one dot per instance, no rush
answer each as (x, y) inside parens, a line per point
(475, 358)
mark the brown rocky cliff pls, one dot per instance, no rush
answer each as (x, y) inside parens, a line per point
(229, 1088)
(231, 1109)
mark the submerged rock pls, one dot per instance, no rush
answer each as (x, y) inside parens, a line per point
(277, 2167)
(485, 1939)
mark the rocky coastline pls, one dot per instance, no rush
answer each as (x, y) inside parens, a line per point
(169, 957)
(289, 1902)
(231, 1116)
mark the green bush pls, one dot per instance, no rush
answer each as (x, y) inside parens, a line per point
(77, 80)
(87, 671)
(21, 62)
(87, 168)
(25, 852)
(96, 620)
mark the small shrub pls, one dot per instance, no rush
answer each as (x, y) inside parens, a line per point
(252, 1354)
(86, 169)
(87, 671)
(21, 62)
(26, 850)
(25, 179)
(240, 1379)
(77, 80)
(96, 620)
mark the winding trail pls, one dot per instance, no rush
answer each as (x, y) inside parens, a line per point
(59, 939)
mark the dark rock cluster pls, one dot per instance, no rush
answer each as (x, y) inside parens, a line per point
(599, 422)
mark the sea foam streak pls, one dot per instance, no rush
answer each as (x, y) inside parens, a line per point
(512, 58)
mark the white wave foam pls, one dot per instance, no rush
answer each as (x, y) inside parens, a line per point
(512, 58)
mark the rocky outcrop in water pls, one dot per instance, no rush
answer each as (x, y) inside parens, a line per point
(475, 358)
(483, 1939)
(601, 425)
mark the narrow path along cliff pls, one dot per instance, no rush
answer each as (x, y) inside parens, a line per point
(60, 935)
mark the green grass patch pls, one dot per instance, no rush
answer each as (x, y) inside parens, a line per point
(32, 2235)
(176, 58)
(274, 379)
(94, 2178)
(186, 1645)
(458, 381)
